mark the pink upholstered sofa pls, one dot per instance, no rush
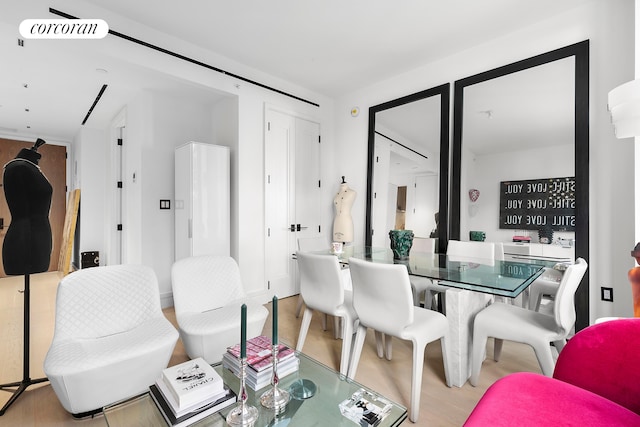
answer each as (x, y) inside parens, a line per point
(596, 382)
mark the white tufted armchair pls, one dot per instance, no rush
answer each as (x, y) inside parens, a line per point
(207, 295)
(111, 339)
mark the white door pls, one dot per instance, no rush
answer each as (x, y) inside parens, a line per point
(292, 194)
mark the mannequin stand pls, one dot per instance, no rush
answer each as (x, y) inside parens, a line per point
(26, 380)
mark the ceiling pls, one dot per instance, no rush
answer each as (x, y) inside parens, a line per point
(330, 47)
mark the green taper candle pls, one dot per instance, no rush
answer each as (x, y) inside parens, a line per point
(274, 322)
(243, 331)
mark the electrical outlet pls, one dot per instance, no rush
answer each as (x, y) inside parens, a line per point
(606, 294)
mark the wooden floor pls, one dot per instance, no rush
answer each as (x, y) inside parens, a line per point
(439, 406)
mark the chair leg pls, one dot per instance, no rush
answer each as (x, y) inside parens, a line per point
(356, 351)
(477, 355)
(416, 380)
(337, 328)
(545, 357)
(380, 344)
(347, 337)
(559, 345)
(535, 299)
(497, 349)
(304, 327)
(388, 346)
(299, 306)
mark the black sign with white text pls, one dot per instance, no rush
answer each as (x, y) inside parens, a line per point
(538, 203)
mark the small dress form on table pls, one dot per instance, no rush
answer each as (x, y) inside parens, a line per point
(27, 244)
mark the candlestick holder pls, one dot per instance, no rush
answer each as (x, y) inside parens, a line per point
(243, 414)
(275, 398)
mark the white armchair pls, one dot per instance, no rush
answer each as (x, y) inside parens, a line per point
(111, 339)
(207, 295)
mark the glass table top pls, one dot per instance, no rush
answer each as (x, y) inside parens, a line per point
(322, 408)
(497, 277)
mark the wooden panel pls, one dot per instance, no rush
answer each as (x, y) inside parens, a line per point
(70, 219)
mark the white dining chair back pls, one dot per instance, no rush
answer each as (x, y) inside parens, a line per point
(471, 251)
(509, 322)
(478, 252)
(382, 300)
(425, 245)
(320, 281)
(564, 309)
(322, 288)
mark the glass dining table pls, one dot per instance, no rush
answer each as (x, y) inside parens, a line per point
(472, 284)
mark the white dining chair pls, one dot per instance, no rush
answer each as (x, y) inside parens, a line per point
(509, 322)
(322, 288)
(307, 244)
(483, 252)
(545, 285)
(383, 301)
(419, 285)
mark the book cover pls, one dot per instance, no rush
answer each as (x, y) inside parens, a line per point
(259, 352)
(192, 381)
(187, 419)
(173, 404)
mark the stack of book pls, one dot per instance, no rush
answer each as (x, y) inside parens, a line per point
(190, 391)
(260, 361)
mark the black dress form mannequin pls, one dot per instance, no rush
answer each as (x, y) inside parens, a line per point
(27, 244)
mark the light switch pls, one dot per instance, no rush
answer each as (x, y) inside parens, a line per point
(165, 204)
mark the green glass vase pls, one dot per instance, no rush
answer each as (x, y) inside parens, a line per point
(401, 242)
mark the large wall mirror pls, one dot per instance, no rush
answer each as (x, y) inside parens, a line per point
(526, 122)
(407, 175)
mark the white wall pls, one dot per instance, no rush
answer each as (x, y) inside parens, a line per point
(90, 150)
(148, 234)
(609, 27)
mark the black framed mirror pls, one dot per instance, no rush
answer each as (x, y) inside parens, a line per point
(409, 131)
(576, 56)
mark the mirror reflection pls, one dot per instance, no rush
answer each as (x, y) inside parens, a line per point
(524, 128)
(516, 130)
(406, 145)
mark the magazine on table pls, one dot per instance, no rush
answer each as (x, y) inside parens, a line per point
(259, 353)
(257, 380)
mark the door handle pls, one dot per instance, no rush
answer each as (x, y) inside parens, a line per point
(298, 227)
(293, 228)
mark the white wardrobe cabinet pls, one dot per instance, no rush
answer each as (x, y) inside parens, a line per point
(202, 200)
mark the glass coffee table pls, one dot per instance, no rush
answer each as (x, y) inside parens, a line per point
(322, 408)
